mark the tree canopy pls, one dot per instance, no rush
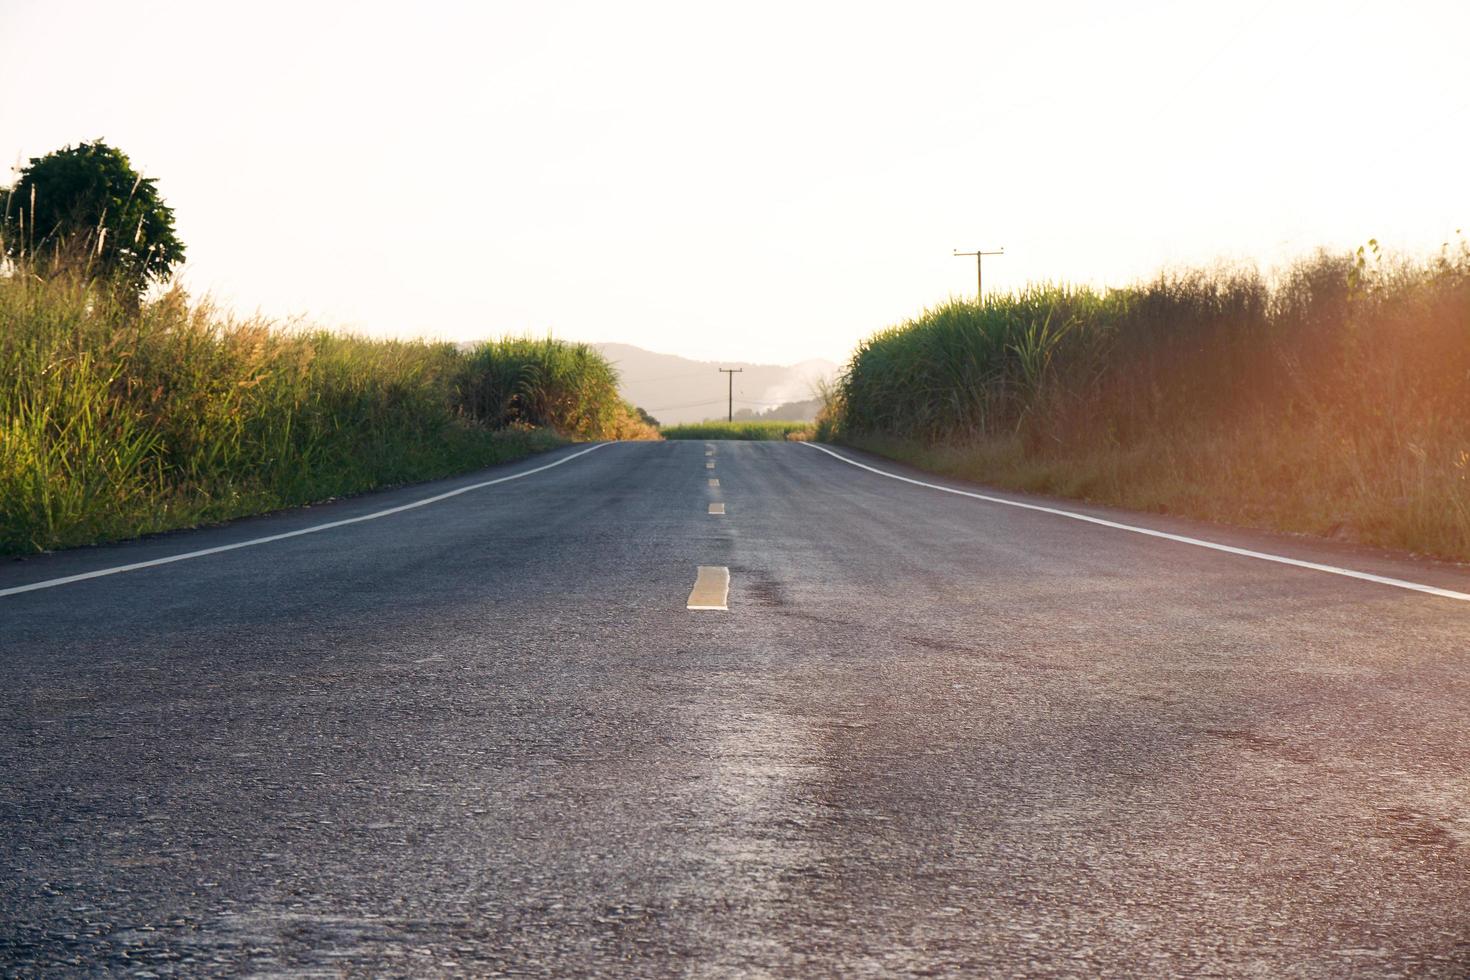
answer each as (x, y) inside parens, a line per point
(85, 206)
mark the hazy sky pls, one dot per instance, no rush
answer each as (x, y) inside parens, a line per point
(755, 181)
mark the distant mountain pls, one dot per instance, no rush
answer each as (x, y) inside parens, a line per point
(675, 389)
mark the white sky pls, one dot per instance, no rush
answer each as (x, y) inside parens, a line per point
(754, 181)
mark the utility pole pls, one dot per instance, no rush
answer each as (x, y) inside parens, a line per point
(730, 415)
(979, 271)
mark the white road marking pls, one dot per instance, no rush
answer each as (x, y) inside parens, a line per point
(1197, 542)
(714, 481)
(52, 583)
(716, 508)
(709, 466)
(711, 588)
(709, 452)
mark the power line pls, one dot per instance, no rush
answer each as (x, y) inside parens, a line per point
(716, 401)
(671, 408)
(979, 280)
(730, 411)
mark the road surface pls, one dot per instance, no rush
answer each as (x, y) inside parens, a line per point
(931, 734)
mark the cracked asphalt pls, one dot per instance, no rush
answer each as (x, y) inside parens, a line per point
(931, 736)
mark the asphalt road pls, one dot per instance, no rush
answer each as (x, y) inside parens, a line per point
(931, 735)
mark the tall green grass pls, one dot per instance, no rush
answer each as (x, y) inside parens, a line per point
(737, 430)
(569, 387)
(119, 419)
(1333, 398)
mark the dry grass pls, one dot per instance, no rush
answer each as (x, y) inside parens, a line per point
(1334, 399)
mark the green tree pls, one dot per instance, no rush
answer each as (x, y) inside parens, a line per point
(85, 207)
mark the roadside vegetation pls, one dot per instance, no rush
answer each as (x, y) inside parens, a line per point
(122, 415)
(738, 430)
(116, 422)
(1330, 399)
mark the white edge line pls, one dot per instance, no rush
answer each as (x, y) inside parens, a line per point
(52, 583)
(1197, 542)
